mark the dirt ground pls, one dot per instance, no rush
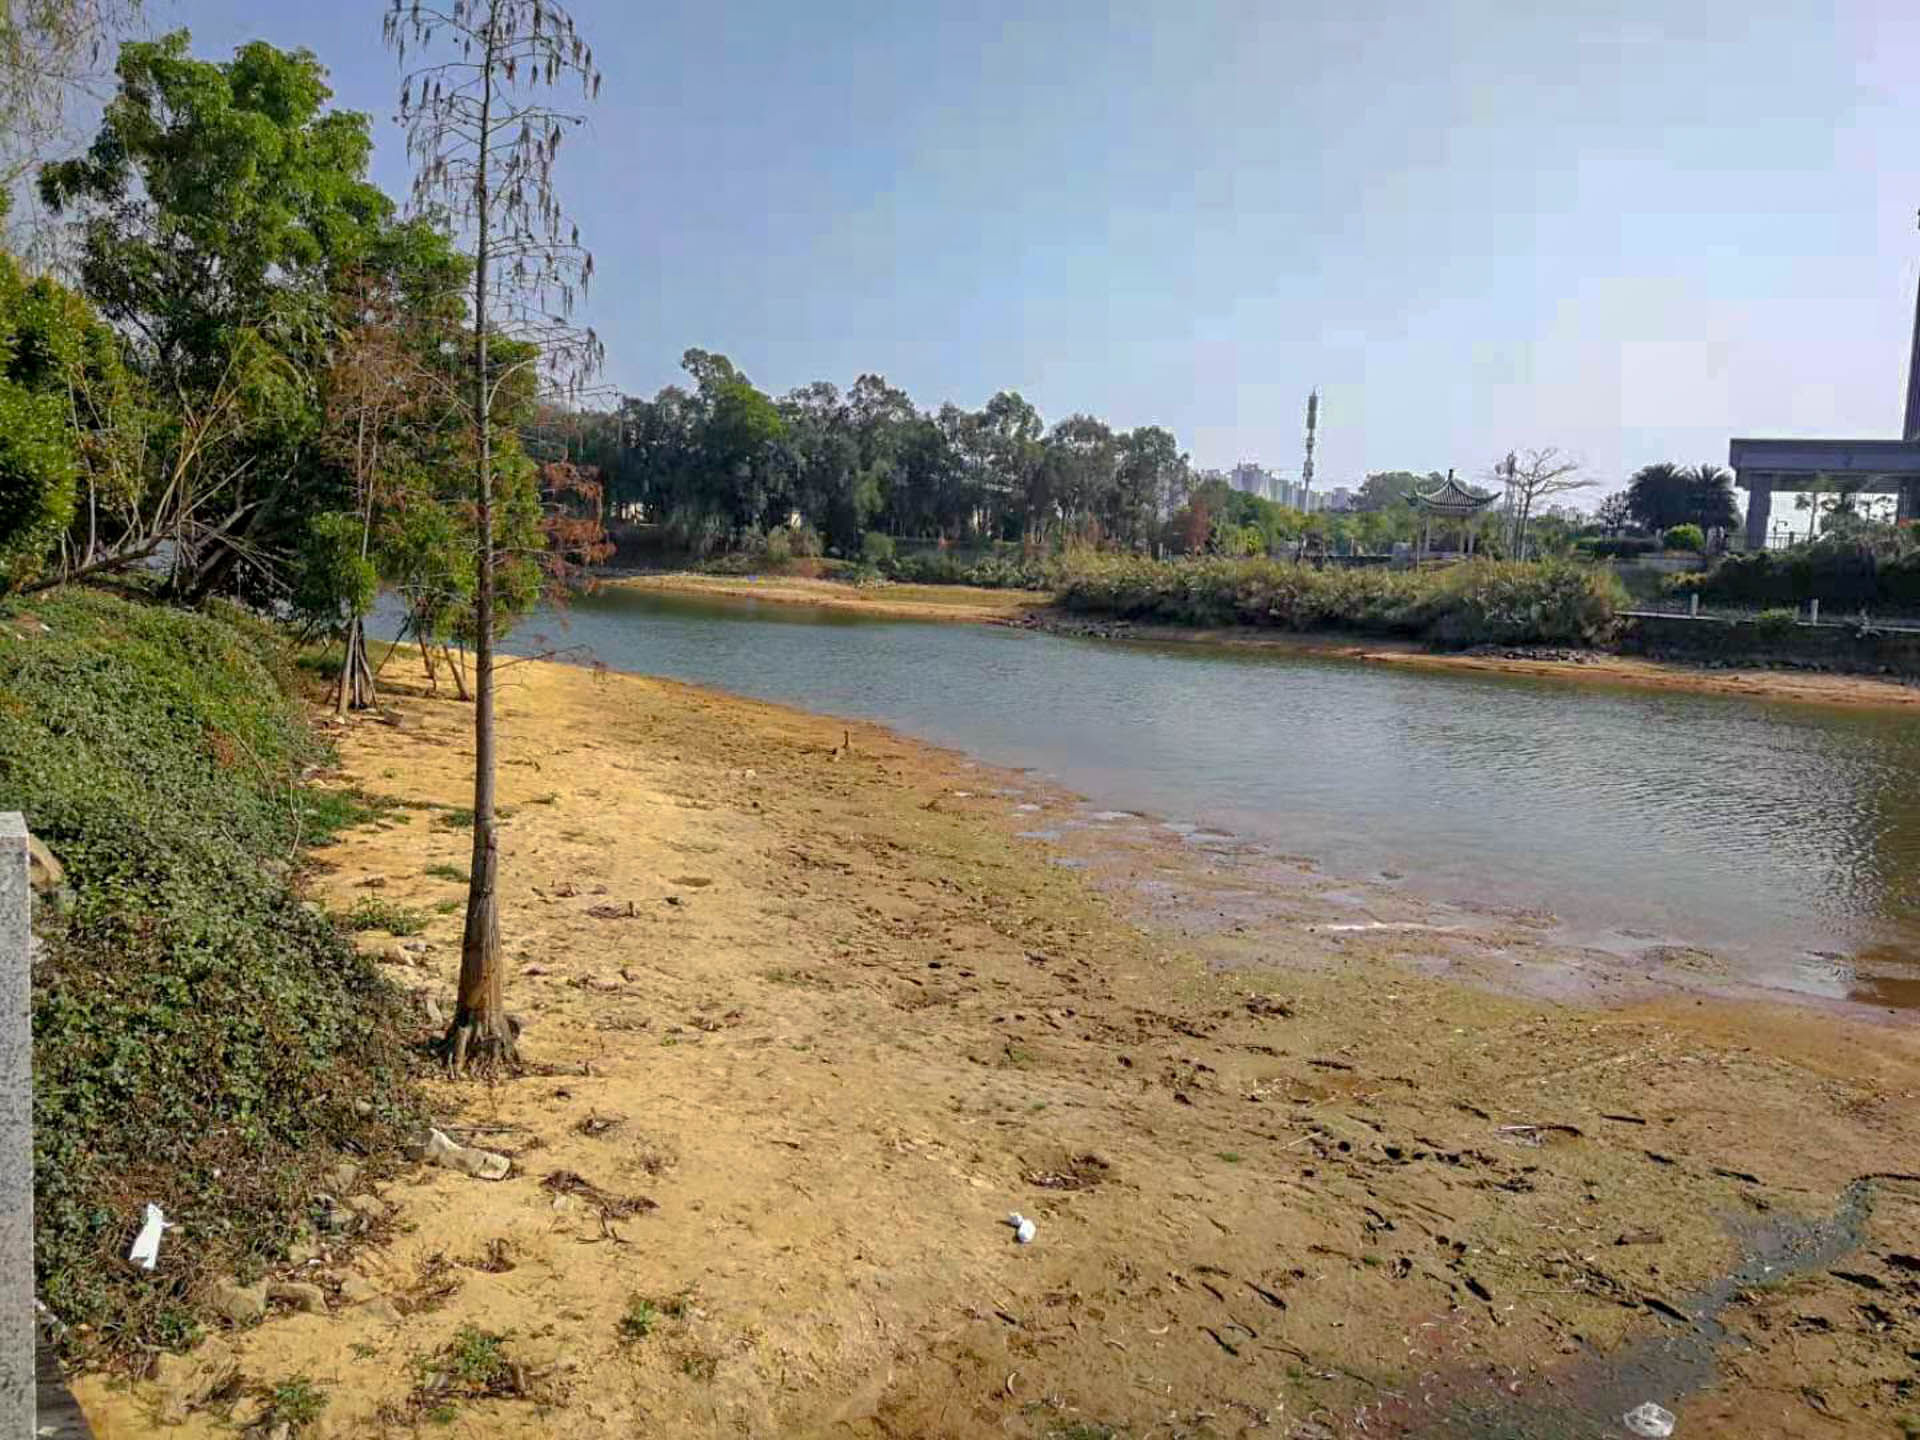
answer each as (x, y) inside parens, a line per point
(900, 602)
(1303, 1160)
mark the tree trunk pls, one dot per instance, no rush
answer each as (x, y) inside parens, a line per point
(355, 690)
(458, 667)
(480, 1037)
(343, 690)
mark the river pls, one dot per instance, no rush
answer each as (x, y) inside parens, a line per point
(1784, 836)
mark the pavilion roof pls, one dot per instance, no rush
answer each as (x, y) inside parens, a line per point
(1451, 498)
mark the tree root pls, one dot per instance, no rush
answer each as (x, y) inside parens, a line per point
(472, 1049)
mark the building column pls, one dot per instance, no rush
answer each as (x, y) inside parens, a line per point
(16, 1137)
(1759, 512)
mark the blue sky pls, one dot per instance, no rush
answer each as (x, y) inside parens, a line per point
(1627, 229)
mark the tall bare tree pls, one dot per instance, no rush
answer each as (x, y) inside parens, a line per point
(1531, 478)
(50, 50)
(484, 125)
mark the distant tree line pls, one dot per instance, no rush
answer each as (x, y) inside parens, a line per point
(719, 465)
(718, 462)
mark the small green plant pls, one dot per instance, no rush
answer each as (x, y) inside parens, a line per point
(639, 1320)
(461, 819)
(295, 1402)
(1686, 537)
(372, 912)
(1232, 1157)
(447, 872)
(446, 907)
(1776, 624)
(876, 548)
(476, 1360)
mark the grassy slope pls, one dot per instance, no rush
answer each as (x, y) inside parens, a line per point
(201, 1037)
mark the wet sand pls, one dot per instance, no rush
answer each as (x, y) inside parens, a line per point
(1307, 1156)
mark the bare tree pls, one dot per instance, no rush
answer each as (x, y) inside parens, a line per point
(1531, 478)
(50, 52)
(483, 129)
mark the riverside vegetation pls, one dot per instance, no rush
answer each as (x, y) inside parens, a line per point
(203, 1037)
(1481, 602)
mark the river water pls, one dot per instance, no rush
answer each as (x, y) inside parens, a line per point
(1783, 836)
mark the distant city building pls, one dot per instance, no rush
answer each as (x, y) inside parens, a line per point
(1251, 478)
(1342, 499)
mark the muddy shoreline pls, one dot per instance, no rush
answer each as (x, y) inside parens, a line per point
(1548, 662)
(1305, 1159)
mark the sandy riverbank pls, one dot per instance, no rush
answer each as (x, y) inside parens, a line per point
(1305, 1160)
(899, 602)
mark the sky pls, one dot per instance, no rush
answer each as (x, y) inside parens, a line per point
(1628, 229)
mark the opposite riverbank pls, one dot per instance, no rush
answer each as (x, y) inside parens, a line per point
(1030, 609)
(885, 601)
(808, 1021)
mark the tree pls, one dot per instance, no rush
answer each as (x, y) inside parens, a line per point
(1149, 482)
(483, 134)
(1532, 480)
(61, 385)
(1614, 513)
(1664, 495)
(1710, 501)
(221, 210)
(1078, 460)
(1386, 488)
(376, 394)
(48, 50)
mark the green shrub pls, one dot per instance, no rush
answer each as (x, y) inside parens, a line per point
(1482, 602)
(779, 546)
(1010, 571)
(1686, 537)
(202, 1039)
(1874, 569)
(1776, 624)
(1615, 547)
(806, 543)
(876, 549)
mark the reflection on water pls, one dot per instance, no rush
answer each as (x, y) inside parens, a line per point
(1772, 833)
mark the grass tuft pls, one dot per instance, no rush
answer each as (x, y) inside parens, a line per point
(371, 912)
